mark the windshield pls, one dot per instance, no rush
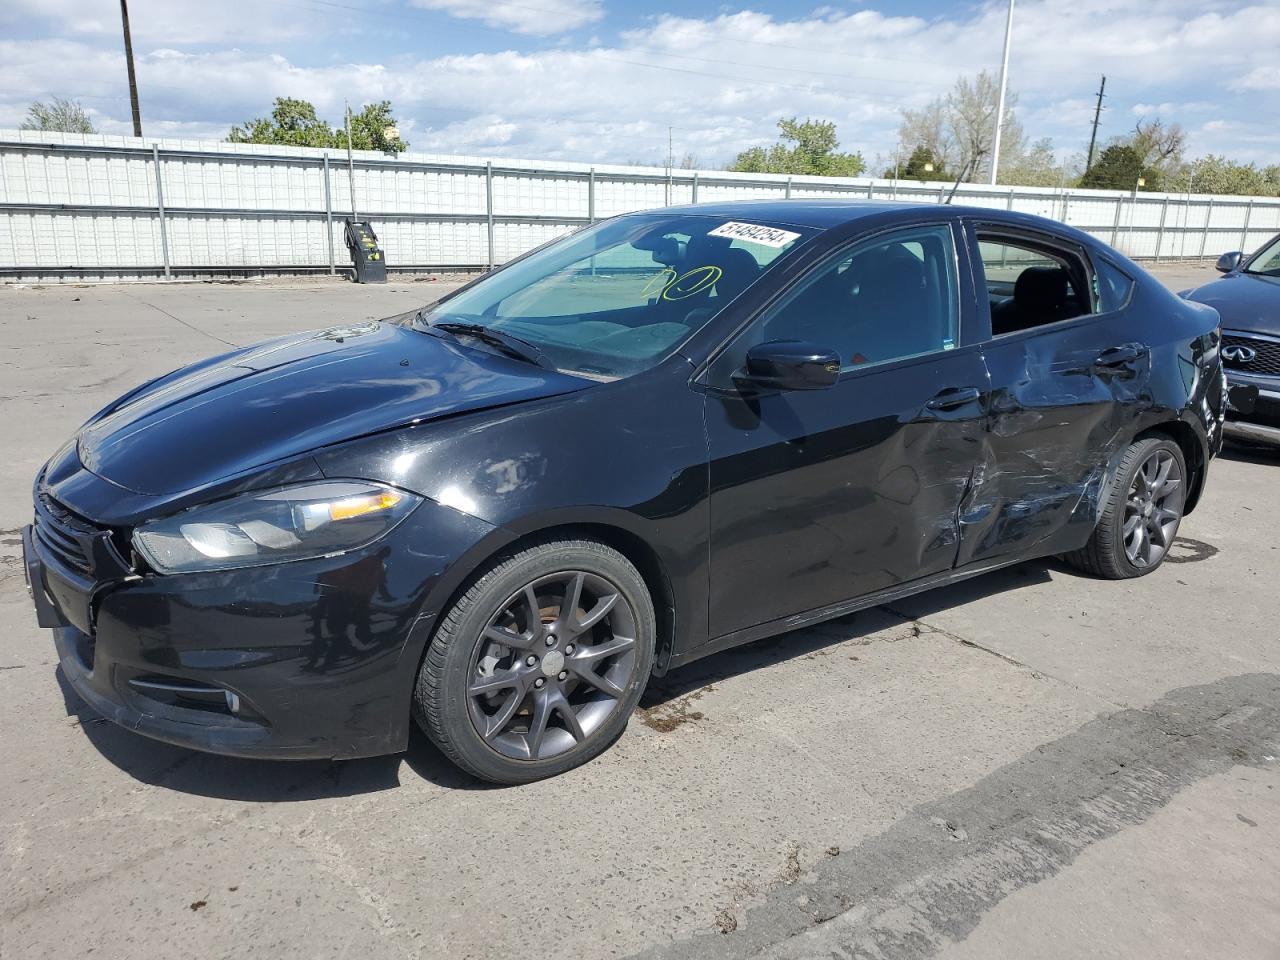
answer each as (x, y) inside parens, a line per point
(1267, 261)
(614, 299)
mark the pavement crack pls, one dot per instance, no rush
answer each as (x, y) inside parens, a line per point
(1035, 672)
(185, 323)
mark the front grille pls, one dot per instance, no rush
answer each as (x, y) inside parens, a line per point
(1267, 355)
(65, 536)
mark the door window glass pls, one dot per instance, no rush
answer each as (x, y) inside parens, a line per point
(1114, 286)
(883, 299)
(1029, 286)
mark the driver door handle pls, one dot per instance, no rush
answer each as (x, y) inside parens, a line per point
(953, 397)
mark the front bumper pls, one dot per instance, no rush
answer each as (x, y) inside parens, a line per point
(1253, 408)
(308, 659)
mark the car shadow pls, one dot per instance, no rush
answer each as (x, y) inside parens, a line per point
(855, 626)
(281, 781)
(1250, 453)
(262, 781)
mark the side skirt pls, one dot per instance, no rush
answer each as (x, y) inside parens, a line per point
(842, 608)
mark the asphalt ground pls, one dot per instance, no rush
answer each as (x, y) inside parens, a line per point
(1031, 763)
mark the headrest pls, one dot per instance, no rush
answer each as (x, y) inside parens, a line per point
(1041, 288)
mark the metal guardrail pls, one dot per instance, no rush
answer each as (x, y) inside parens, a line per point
(688, 182)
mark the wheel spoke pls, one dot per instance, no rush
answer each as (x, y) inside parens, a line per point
(570, 719)
(601, 683)
(1132, 522)
(1164, 464)
(1155, 534)
(1136, 542)
(1169, 486)
(538, 723)
(1164, 516)
(498, 722)
(508, 638)
(535, 610)
(594, 654)
(503, 680)
(569, 606)
(598, 612)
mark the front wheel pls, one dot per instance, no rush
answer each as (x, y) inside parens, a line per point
(1140, 519)
(539, 664)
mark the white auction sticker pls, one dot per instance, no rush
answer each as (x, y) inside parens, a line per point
(754, 233)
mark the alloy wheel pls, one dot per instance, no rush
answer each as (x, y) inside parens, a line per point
(552, 665)
(1153, 509)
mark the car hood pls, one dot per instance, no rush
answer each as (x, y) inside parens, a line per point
(279, 399)
(1244, 301)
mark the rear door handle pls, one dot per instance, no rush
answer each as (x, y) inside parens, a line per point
(1119, 356)
(954, 397)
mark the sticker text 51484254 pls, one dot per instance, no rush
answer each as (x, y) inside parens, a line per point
(754, 233)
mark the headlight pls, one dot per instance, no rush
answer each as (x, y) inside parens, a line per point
(269, 526)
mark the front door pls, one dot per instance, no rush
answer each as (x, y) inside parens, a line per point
(826, 495)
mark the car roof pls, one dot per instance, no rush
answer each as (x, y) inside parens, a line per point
(823, 214)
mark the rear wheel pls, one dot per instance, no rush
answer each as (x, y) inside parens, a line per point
(538, 666)
(1140, 519)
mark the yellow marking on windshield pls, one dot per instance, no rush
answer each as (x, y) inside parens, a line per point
(692, 282)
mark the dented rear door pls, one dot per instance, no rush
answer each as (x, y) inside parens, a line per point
(1063, 401)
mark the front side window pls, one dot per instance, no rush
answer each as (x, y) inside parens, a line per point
(615, 298)
(1267, 261)
(1029, 285)
(883, 299)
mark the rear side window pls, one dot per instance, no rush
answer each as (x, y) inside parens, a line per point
(1031, 284)
(1114, 286)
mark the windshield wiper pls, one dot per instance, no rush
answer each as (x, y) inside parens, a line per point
(509, 344)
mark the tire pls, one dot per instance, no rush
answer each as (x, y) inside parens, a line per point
(1157, 507)
(481, 661)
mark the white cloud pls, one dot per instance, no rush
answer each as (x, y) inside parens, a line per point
(721, 82)
(537, 17)
(1260, 78)
(170, 22)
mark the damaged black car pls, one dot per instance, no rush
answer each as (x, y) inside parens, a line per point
(661, 436)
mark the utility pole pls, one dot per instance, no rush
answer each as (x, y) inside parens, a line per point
(1097, 113)
(1004, 80)
(671, 162)
(351, 165)
(133, 80)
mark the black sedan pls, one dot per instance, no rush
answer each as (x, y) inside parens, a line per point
(666, 434)
(1248, 300)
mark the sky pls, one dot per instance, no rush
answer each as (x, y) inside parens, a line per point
(602, 81)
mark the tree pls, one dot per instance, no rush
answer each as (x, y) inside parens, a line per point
(368, 129)
(959, 129)
(1214, 174)
(61, 116)
(914, 168)
(1159, 145)
(294, 123)
(1035, 166)
(1119, 168)
(813, 152)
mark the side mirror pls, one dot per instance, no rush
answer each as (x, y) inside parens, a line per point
(1229, 261)
(789, 365)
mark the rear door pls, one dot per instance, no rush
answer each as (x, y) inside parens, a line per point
(1068, 372)
(826, 495)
